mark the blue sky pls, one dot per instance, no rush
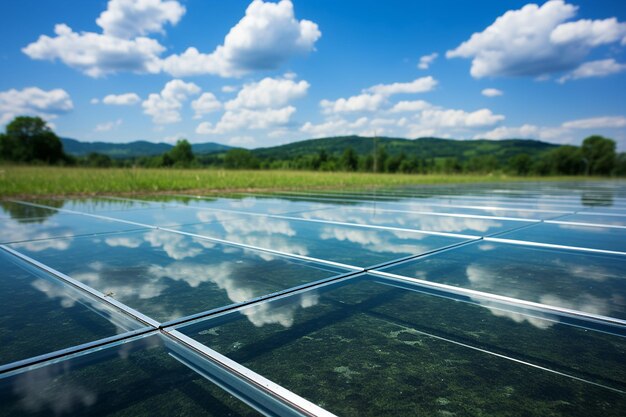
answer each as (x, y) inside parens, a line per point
(261, 73)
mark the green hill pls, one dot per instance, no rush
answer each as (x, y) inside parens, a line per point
(423, 148)
(132, 149)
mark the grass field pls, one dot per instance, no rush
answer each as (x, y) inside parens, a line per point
(30, 181)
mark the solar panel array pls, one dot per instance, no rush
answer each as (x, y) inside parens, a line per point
(491, 299)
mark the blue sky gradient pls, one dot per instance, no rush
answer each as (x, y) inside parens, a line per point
(569, 84)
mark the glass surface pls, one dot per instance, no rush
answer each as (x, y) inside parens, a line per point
(40, 314)
(449, 224)
(96, 205)
(56, 225)
(476, 210)
(369, 347)
(248, 204)
(143, 377)
(11, 210)
(358, 246)
(593, 237)
(167, 216)
(595, 219)
(168, 275)
(589, 282)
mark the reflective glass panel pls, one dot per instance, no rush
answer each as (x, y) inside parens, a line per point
(40, 314)
(351, 245)
(371, 347)
(448, 224)
(168, 275)
(56, 225)
(143, 377)
(593, 237)
(589, 282)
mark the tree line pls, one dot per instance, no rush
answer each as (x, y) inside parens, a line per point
(30, 140)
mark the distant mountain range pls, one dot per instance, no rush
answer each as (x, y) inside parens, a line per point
(132, 149)
(422, 148)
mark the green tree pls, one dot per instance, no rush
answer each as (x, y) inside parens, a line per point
(99, 160)
(29, 139)
(565, 160)
(620, 165)
(181, 154)
(240, 159)
(380, 158)
(520, 164)
(349, 159)
(599, 155)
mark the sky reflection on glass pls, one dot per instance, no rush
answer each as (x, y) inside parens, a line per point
(168, 275)
(338, 349)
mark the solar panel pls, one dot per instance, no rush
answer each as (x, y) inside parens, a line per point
(486, 299)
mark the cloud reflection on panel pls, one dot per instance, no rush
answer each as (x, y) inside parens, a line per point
(39, 237)
(38, 393)
(256, 231)
(434, 223)
(168, 274)
(375, 241)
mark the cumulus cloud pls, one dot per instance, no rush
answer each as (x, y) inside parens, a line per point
(127, 99)
(600, 68)
(206, 103)
(419, 85)
(268, 93)
(590, 32)
(410, 106)
(130, 18)
(597, 123)
(503, 132)
(491, 92)
(459, 118)
(334, 127)
(536, 41)
(33, 101)
(427, 60)
(165, 107)
(108, 126)
(267, 36)
(95, 54)
(360, 103)
(247, 119)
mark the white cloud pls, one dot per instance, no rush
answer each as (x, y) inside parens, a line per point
(127, 99)
(597, 123)
(410, 106)
(360, 103)
(334, 127)
(600, 68)
(97, 55)
(243, 141)
(108, 126)
(590, 32)
(491, 92)
(427, 60)
(503, 132)
(268, 93)
(165, 107)
(229, 88)
(94, 101)
(248, 119)
(459, 118)
(268, 35)
(206, 103)
(536, 41)
(419, 85)
(129, 18)
(33, 101)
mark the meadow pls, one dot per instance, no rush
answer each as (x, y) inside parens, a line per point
(26, 181)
